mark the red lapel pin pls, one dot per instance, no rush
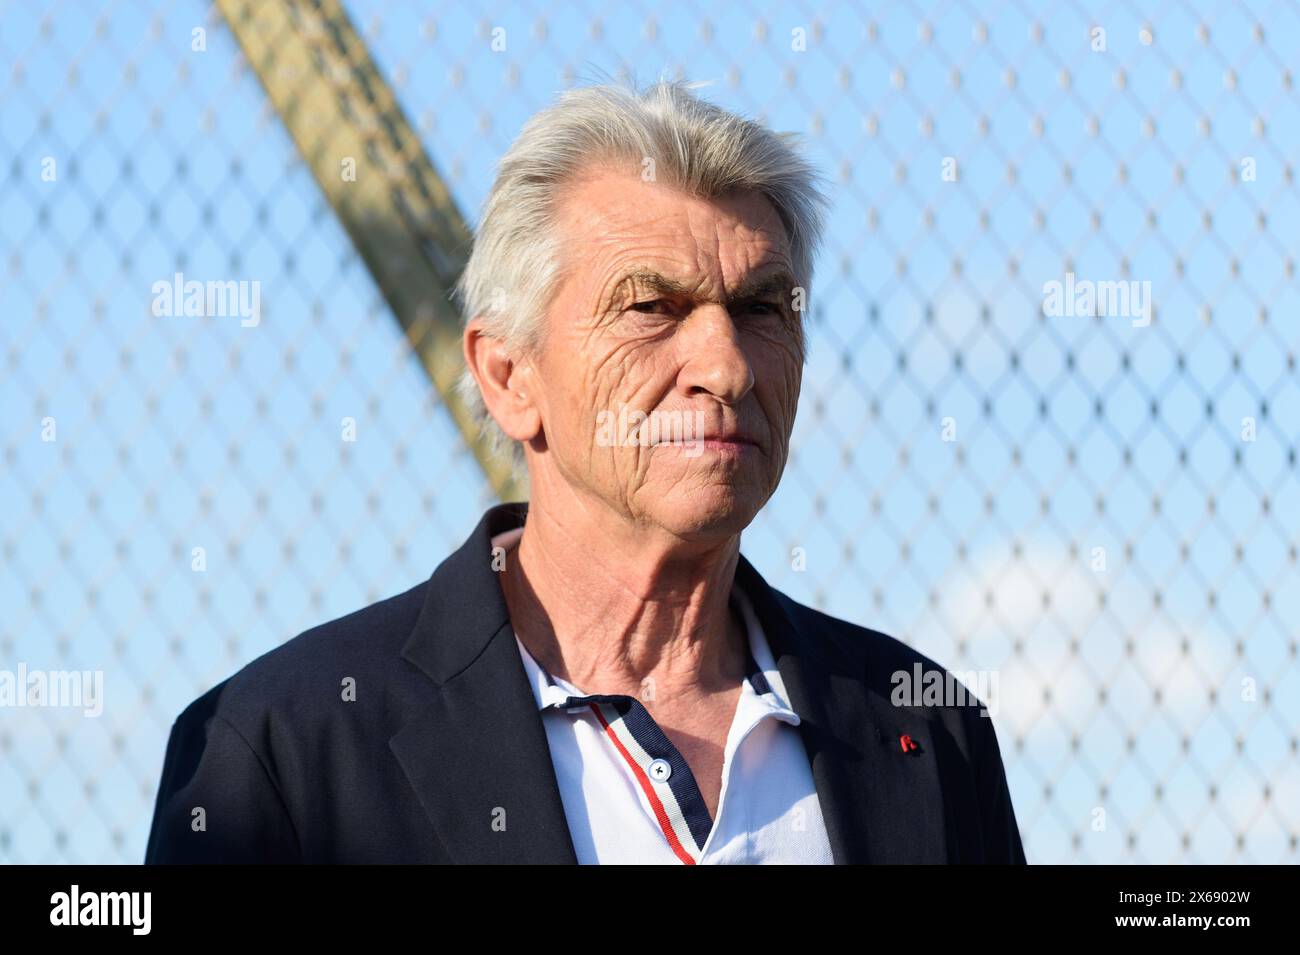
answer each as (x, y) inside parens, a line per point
(909, 745)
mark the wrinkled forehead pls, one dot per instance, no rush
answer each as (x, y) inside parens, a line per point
(610, 225)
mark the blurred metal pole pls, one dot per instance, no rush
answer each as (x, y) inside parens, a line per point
(395, 207)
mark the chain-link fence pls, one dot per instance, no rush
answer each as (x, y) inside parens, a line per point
(1093, 502)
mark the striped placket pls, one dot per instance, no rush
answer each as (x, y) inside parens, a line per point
(659, 769)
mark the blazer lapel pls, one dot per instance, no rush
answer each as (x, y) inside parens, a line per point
(477, 753)
(880, 804)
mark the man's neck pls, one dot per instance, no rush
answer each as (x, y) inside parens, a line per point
(640, 607)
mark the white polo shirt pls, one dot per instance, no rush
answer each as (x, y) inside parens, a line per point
(629, 796)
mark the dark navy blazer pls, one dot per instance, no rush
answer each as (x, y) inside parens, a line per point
(444, 738)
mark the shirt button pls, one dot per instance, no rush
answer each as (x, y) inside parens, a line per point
(660, 770)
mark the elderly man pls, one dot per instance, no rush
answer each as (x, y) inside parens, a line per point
(599, 675)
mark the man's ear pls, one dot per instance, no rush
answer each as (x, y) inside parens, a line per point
(504, 382)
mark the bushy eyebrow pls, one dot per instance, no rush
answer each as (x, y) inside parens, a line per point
(758, 286)
(650, 281)
(753, 286)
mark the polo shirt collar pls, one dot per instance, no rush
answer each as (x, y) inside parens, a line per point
(763, 689)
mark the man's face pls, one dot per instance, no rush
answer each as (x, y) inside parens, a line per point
(680, 309)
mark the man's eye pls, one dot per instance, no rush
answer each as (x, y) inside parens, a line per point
(654, 305)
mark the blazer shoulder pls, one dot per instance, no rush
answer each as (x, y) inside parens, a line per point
(897, 675)
(358, 644)
(878, 652)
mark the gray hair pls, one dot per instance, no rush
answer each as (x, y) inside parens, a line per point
(695, 146)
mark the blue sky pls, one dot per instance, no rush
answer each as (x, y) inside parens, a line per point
(1120, 689)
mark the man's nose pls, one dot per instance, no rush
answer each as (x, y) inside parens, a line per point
(714, 359)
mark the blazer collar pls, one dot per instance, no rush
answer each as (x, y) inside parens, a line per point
(478, 758)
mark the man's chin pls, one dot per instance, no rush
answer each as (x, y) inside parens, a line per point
(710, 511)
